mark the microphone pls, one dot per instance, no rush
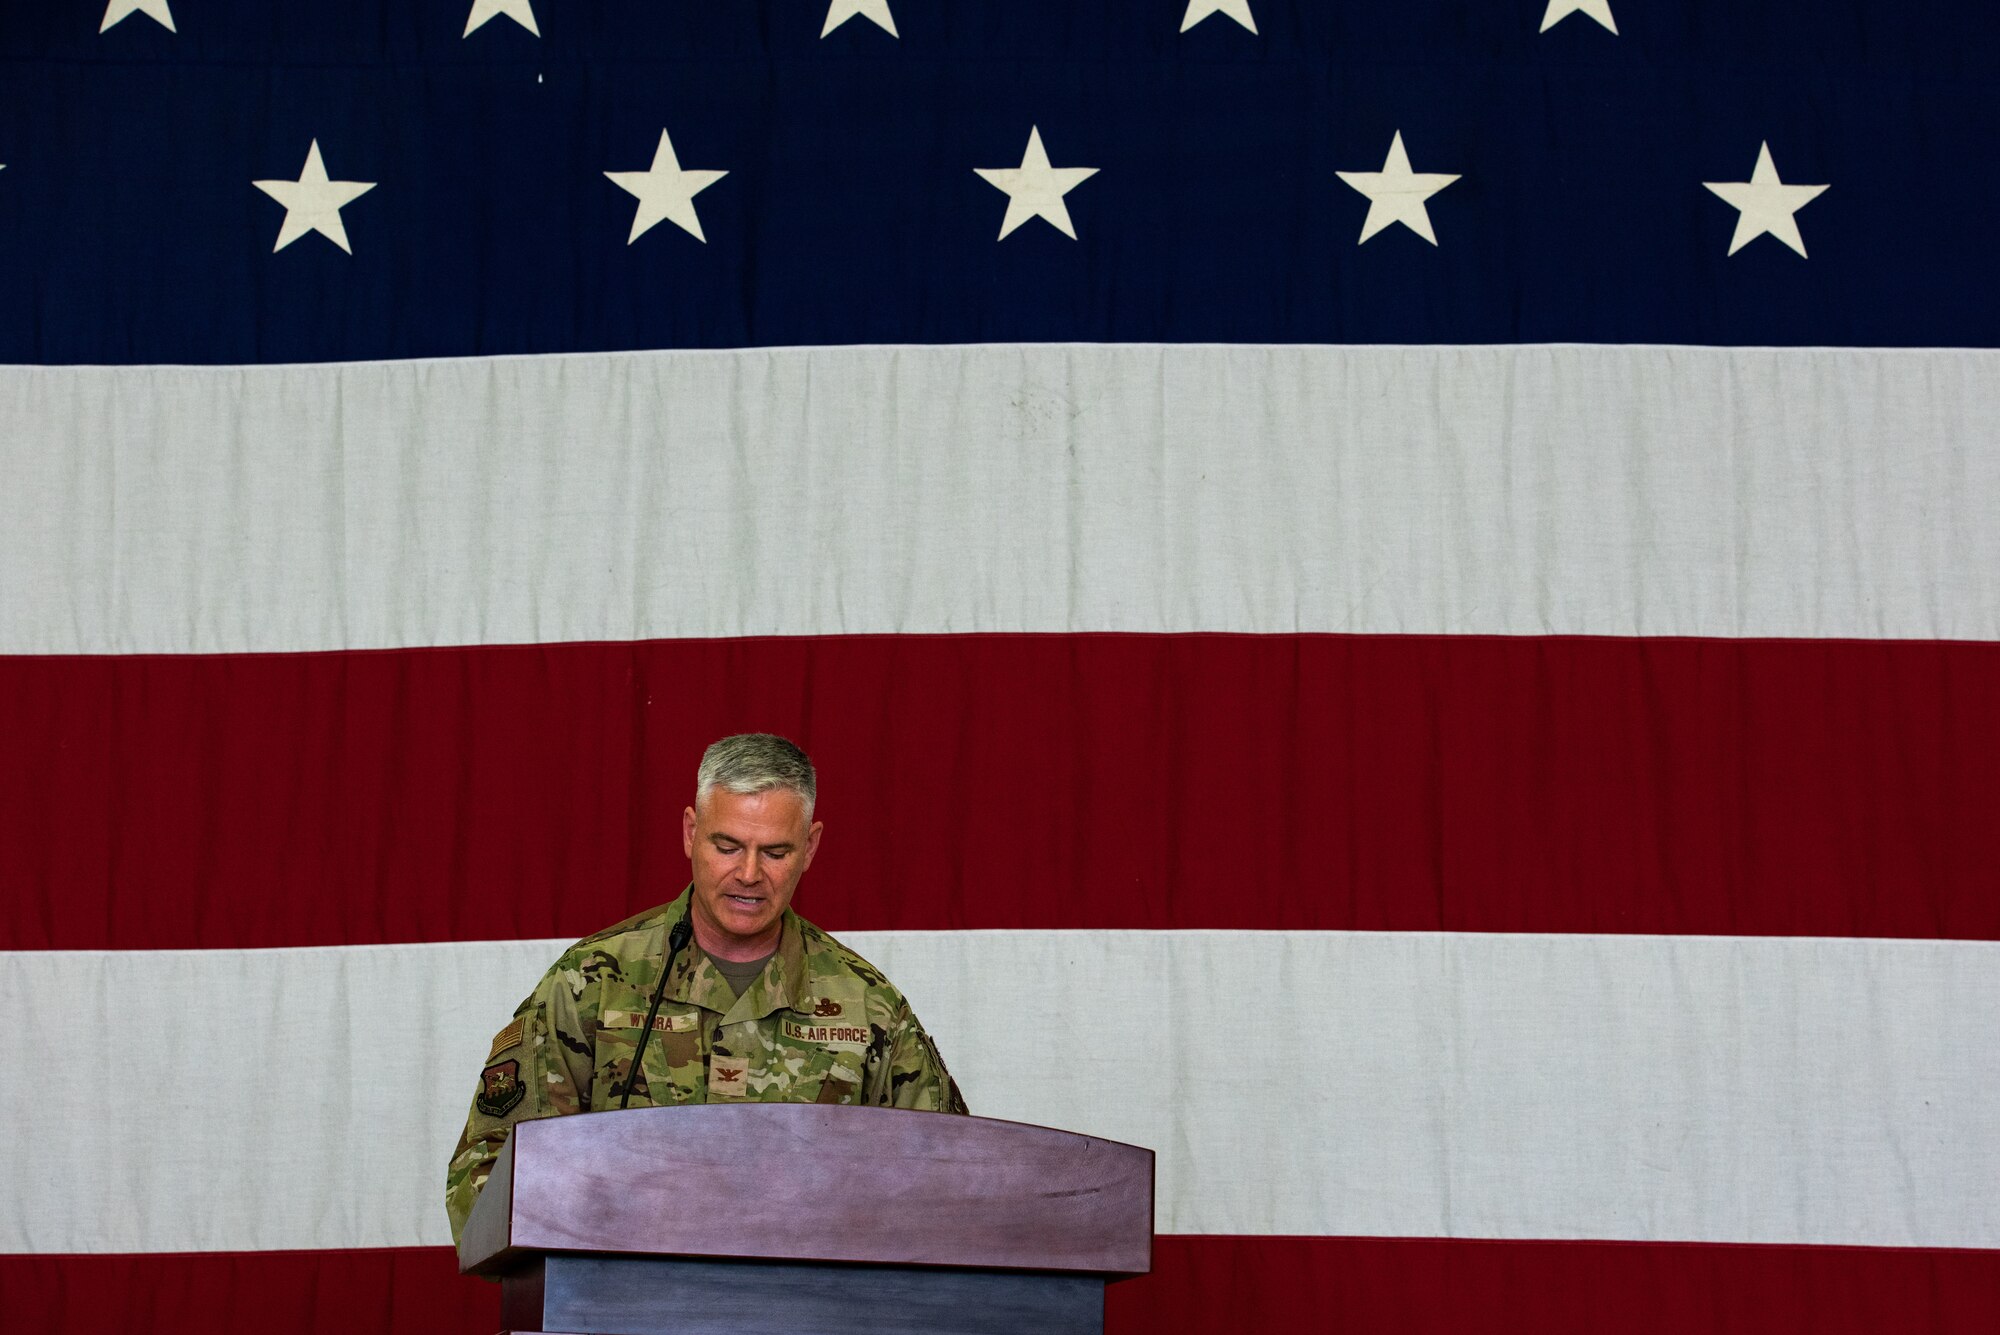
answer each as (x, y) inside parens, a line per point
(677, 939)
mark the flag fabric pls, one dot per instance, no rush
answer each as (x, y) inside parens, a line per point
(1396, 602)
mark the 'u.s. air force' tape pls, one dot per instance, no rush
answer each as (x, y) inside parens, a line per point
(846, 1037)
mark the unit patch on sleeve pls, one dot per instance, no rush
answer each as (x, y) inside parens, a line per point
(500, 1088)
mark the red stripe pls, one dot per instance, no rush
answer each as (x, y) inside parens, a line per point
(1802, 787)
(1425, 1286)
(246, 1293)
(1381, 1286)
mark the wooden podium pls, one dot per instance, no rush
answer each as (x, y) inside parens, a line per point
(809, 1220)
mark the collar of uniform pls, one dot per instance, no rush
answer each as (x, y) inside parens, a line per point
(696, 981)
(781, 984)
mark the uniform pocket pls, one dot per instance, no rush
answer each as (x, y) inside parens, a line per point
(670, 1071)
(842, 1082)
(809, 1063)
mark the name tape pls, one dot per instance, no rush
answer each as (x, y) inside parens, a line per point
(662, 1024)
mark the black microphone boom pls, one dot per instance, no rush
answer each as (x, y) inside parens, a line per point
(676, 939)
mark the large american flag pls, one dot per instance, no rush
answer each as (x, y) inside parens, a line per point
(1396, 599)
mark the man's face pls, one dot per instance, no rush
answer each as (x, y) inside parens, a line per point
(747, 852)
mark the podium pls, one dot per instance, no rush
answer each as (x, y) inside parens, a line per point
(807, 1219)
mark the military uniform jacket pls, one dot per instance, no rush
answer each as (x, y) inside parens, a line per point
(819, 1025)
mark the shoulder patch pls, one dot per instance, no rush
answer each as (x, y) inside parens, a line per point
(510, 1037)
(500, 1089)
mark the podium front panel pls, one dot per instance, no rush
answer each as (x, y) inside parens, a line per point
(617, 1295)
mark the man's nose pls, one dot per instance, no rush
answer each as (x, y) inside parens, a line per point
(751, 868)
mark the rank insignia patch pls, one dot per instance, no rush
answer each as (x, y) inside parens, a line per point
(728, 1076)
(500, 1088)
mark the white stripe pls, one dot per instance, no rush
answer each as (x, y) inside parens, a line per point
(1777, 1090)
(1038, 488)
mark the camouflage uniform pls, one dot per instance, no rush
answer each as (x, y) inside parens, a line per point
(819, 1025)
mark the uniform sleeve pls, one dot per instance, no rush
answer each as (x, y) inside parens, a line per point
(539, 1066)
(915, 1074)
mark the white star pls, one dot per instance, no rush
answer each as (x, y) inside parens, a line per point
(666, 192)
(1396, 194)
(1198, 10)
(1766, 204)
(1035, 189)
(313, 203)
(1559, 10)
(117, 11)
(485, 11)
(875, 11)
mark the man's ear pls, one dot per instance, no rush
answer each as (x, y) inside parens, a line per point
(812, 846)
(687, 832)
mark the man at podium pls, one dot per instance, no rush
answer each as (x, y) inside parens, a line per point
(760, 1006)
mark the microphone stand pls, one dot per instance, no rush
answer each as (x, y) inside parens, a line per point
(676, 939)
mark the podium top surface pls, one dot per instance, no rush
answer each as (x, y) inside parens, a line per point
(813, 1182)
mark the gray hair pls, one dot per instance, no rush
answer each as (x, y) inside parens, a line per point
(756, 762)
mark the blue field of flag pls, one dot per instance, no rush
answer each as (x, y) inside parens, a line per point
(852, 208)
